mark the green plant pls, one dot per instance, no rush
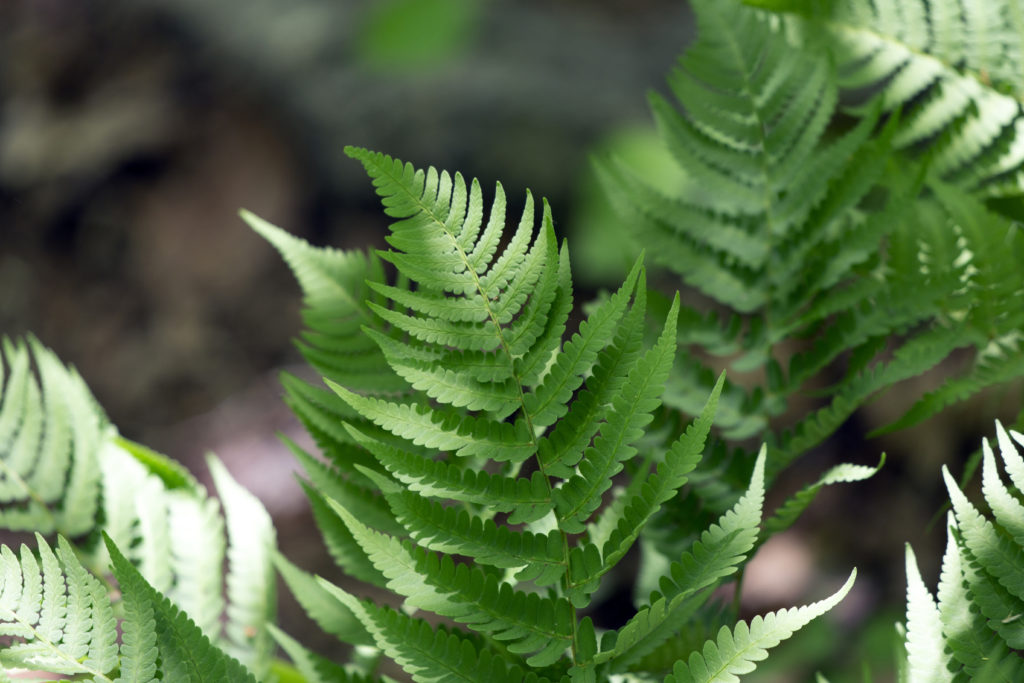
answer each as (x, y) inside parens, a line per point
(65, 471)
(487, 461)
(839, 250)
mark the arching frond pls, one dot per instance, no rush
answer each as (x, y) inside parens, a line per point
(685, 587)
(737, 651)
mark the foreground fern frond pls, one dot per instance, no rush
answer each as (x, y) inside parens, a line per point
(59, 618)
(479, 490)
(67, 471)
(974, 629)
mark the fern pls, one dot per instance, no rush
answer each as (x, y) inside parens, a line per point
(973, 630)
(67, 471)
(955, 70)
(479, 490)
(840, 256)
(60, 619)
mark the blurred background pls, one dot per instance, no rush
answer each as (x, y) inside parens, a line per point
(132, 131)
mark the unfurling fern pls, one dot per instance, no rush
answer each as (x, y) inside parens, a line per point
(473, 450)
(974, 631)
(844, 265)
(64, 470)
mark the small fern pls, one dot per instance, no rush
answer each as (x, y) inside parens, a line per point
(67, 471)
(471, 468)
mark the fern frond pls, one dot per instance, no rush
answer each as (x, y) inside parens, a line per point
(547, 402)
(924, 637)
(749, 139)
(631, 411)
(539, 557)
(60, 616)
(526, 499)
(430, 654)
(250, 580)
(530, 623)
(721, 548)
(737, 651)
(336, 287)
(185, 653)
(67, 470)
(646, 495)
(953, 68)
(445, 431)
(999, 556)
(794, 506)
(326, 610)
(51, 431)
(313, 667)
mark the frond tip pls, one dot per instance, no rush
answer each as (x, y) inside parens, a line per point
(737, 651)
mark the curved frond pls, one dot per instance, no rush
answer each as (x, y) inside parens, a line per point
(689, 581)
(737, 651)
(794, 506)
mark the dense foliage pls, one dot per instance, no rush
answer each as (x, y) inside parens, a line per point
(852, 175)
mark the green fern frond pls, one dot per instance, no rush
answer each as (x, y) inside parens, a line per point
(496, 463)
(185, 653)
(430, 654)
(789, 511)
(631, 410)
(924, 637)
(646, 495)
(721, 548)
(527, 621)
(326, 610)
(539, 557)
(955, 70)
(526, 499)
(59, 615)
(67, 470)
(313, 667)
(336, 286)
(737, 651)
(755, 112)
